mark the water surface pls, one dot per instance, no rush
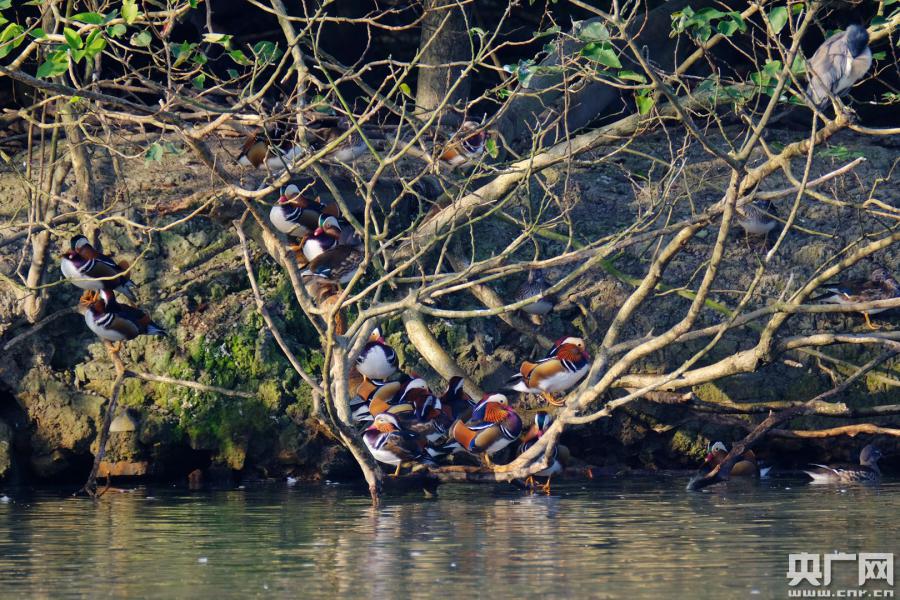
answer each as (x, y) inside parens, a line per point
(622, 537)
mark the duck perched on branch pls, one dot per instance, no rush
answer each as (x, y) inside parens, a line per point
(377, 360)
(841, 61)
(542, 422)
(92, 270)
(565, 365)
(466, 146)
(392, 445)
(116, 322)
(535, 285)
(295, 214)
(493, 426)
(866, 471)
(879, 285)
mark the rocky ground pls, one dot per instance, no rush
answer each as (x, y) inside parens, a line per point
(53, 384)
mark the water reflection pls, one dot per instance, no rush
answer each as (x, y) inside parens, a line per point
(641, 537)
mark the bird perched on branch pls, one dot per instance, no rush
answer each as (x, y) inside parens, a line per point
(466, 146)
(493, 426)
(746, 466)
(92, 270)
(116, 322)
(392, 445)
(866, 471)
(323, 130)
(542, 422)
(565, 365)
(880, 285)
(756, 218)
(274, 147)
(535, 285)
(838, 64)
(377, 361)
(294, 214)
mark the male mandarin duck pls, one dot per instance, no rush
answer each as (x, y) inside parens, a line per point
(535, 285)
(391, 396)
(377, 360)
(565, 365)
(466, 146)
(92, 270)
(116, 322)
(326, 236)
(274, 148)
(880, 285)
(455, 402)
(866, 471)
(493, 426)
(324, 130)
(838, 64)
(745, 467)
(392, 445)
(542, 422)
(756, 218)
(294, 214)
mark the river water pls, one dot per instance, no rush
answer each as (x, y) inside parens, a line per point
(634, 537)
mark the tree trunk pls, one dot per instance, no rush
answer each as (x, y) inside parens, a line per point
(445, 40)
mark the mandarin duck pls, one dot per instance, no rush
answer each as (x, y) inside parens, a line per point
(542, 422)
(324, 130)
(392, 445)
(756, 218)
(273, 148)
(746, 466)
(565, 365)
(866, 471)
(841, 61)
(535, 285)
(326, 236)
(377, 360)
(466, 146)
(294, 214)
(880, 285)
(116, 322)
(455, 402)
(392, 396)
(493, 426)
(91, 270)
(338, 264)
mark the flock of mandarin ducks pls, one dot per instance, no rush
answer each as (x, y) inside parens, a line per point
(408, 423)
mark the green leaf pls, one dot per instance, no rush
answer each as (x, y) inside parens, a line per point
(644, 103)
(199, 82)
(94, 44)
(37, 33)
(77, 55)
(73, 40)
(632, 76)
(74, 99)
(129, 11)
(91, 18)
(4, 4)
(404, 88)
(879, 56)
(491, 146)
(56, 64)
(198, 57)
(798, 67)
(141, 40)
(3, 20)
(10, 38)
(217, 38)
(116, 31)
(603, 54)
(233, 73)
(266, 52)
(154, 152)
(182, 52)
(110, 15)
(727, 28)
(594, 32)
(778, 17)
(239, 57)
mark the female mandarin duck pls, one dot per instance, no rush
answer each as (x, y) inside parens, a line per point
(542, 422)
(535, 285)
(757, 218)
(294, 214)
(563, 367)
(377, 361)
(466, 146)
(273, 148)
(866, 471)
(324, 130)
(493, 426)
(116, 322)
(92, 270)
(339, 264)
(745, 467)
(880, 285)
(392, 445)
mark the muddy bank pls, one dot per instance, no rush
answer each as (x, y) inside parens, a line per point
(55, 383)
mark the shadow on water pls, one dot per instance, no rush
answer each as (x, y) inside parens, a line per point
(636, 537)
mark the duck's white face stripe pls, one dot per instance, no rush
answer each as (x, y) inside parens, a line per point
(105, 320)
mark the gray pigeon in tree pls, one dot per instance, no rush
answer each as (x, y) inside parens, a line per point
(840, 62)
